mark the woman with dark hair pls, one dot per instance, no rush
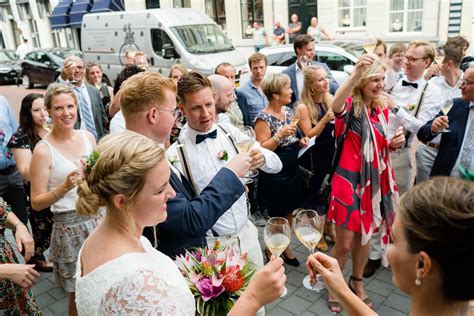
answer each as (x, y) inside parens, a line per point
(431, 218)
(33, 117)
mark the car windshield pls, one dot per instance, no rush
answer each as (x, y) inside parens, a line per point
(7, 57)
(63, 53)
(202, 39)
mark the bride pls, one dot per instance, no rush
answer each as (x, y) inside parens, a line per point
(118, 270)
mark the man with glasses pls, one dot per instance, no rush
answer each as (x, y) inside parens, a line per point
(448, 82)
(456, 149)
(414, 102)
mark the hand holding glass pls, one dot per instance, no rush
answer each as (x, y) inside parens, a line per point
(445, 108)
(294, 118)
(244, 144)
(277, 236)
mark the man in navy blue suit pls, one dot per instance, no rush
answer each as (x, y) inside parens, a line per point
(304, 47)
(456, 149)
(148, 103)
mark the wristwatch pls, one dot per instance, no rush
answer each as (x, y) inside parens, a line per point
(395, 110)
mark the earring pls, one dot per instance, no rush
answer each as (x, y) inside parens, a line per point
(417, 282)
(311, 91)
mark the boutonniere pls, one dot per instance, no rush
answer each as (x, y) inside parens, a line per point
(410, 107)
(223, 155)
(173, 160)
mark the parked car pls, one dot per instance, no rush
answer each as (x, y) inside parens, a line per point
(338, 60)
(9, 66)
(43, 66)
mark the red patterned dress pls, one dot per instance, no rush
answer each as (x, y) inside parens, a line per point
(364, 194)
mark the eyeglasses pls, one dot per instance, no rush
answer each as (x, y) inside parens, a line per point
(412, 59)
(465, 82)
(174, 112)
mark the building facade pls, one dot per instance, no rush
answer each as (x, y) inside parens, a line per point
(392, 20)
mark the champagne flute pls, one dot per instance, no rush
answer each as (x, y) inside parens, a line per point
(294, 118)
(445, 108)
(304, 62)
(370, 43)
(277, 236)
(73, 65)
(439, 56)
(309, 227)
(244, 144)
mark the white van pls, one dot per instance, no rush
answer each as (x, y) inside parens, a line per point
(167, 36)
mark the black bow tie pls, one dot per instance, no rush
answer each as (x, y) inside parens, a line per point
(201, 138)
(407, 83)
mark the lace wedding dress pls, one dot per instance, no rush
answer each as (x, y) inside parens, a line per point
(146, 283)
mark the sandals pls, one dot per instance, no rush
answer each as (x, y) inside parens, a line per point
(333, 305)
(366, 300)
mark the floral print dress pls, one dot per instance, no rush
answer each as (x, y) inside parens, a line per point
(14, 300)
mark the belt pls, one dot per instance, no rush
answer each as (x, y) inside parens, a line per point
(7, 170)
(433, 145)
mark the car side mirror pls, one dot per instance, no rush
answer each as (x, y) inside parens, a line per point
(169, 52)
(349, 69)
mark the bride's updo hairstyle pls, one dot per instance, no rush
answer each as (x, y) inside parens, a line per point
(437, 217)
(122, 163)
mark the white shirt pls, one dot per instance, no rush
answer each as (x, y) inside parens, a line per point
(22, 50)
(391, 78)
(86, 96)
(205, 164)
(117, 123)
(223, 118)
(449, 93)
(299, 80)
(405, 98)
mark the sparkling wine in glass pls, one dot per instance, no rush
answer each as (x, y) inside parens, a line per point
(309, 227)
(304, 62)
(370, 43)
(73, 65)
(439, 56)
(294, 118)
(244, 144)
(277, 236)
(445, 108)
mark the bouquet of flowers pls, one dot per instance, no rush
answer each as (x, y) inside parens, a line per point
(217, 277)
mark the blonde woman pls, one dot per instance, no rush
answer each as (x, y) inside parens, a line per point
(54, 171)
(118, 270)
(316, 120)
(275, 131)
(363, 192)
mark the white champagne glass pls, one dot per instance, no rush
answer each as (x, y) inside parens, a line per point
(294, 118)
(369, 43)
(445, 108)
(277, 236)
(244, 144)
(309, 228)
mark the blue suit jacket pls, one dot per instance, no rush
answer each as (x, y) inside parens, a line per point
(451, 142)
(291, 71)
(189, 218)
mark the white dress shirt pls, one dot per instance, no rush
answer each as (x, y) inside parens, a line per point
(449, 93)
(391, 78)
(405, 97)
(205, 164)
(299, 80)
(117, 123)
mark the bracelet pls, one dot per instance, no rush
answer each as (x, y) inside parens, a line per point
(276, 139)
(55, 194)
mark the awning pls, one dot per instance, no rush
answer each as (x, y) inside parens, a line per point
(79, 8)
(107, 6)
(60, 16)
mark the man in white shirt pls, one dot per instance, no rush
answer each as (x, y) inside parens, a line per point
(23, 49)
(448, 82)
(92, 115)
(414, 102)
(396, 56)
(223, 92)
(207, 146)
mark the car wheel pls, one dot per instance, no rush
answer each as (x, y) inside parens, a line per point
(25, 81)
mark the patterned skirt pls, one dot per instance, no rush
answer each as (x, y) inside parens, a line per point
(70, 230)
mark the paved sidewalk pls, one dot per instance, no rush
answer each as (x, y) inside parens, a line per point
(387, 300)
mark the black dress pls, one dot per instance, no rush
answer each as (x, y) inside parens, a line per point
(281, 191)
(42, 221)
(318, 159)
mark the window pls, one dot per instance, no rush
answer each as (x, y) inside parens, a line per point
(216, 10)
(158, 39)
(152, 4)
(202, 38)
(181, 3)
(352, 13)
(406, 15)
(334, 61)
(252, 11)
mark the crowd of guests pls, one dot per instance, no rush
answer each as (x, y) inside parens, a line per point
(167, 175)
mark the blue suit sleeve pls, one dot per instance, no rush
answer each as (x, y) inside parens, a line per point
(195, 217)
(424, 133)
(244, 106)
